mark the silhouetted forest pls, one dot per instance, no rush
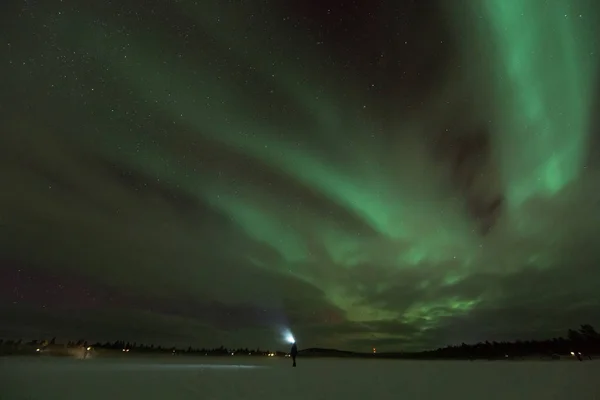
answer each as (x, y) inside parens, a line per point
(581, 344)
(52, 347)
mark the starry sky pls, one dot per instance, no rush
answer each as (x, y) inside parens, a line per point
(399, 174)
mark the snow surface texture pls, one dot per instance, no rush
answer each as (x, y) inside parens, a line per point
(238, 378)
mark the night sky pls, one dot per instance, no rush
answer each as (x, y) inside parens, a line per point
(398, 174)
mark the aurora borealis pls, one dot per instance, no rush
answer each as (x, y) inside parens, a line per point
(394, 174)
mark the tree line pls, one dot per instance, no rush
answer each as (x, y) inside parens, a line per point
(581, 343)
(20, 346)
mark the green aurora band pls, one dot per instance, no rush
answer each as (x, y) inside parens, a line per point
(537, 69)
(544, 85)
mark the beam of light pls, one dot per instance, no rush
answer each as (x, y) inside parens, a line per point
(288, 337)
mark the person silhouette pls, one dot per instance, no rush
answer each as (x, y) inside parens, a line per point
(294, 353)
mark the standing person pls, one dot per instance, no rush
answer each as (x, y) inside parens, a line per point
(294, 353)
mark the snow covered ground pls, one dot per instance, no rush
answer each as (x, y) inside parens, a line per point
(175, 378)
